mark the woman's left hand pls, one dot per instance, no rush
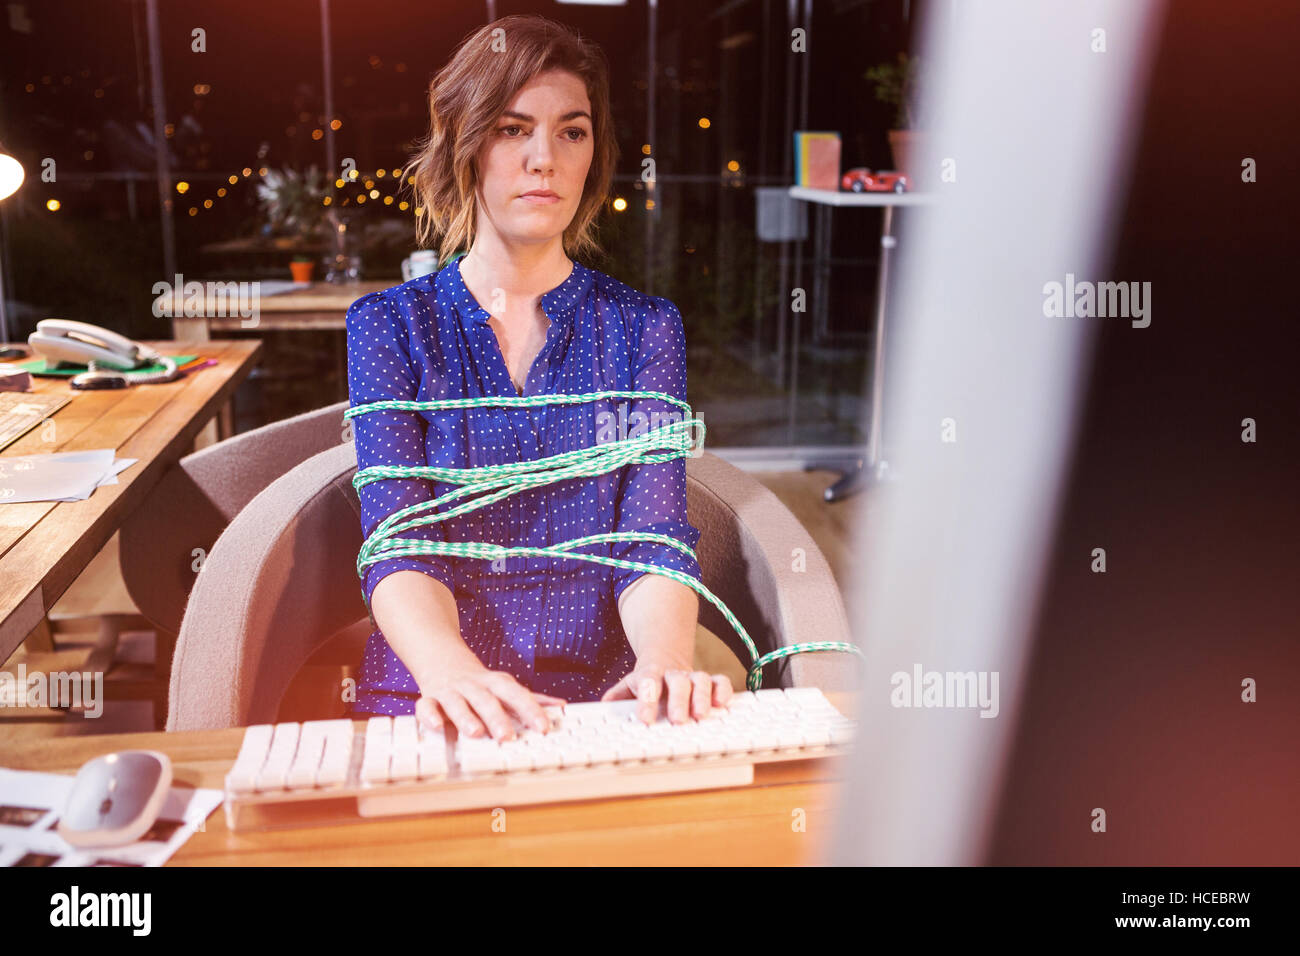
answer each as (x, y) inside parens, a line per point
(690, 694)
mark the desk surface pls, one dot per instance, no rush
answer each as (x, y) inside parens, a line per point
(44, 545)
(324, 296)
(752, 825)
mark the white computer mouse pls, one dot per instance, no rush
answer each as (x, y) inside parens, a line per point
(116, 798)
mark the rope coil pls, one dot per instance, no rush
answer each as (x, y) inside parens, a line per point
(491, 483)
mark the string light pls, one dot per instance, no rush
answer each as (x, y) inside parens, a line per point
(359, 177)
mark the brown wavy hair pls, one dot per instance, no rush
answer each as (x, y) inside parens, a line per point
(467, 97)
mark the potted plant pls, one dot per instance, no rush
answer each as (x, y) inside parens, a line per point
(301, 266)
(899, 84)
(294, 205)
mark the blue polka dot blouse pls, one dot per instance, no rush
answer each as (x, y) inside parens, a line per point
(551, 622)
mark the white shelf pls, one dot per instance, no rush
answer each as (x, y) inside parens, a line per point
(832, 197)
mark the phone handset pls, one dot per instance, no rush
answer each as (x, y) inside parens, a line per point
(108, 356)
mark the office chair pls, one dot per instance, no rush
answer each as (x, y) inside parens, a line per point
(174, 530)
(280, 585)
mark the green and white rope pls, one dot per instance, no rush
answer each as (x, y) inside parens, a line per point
(490, 483)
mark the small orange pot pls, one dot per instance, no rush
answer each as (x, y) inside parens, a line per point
(301, 271)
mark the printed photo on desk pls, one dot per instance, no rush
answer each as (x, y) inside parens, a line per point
(649, 435)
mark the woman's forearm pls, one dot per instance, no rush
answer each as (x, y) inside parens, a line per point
(417, 614)
(659, 617)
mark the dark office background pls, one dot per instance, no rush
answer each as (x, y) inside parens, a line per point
(75, 86)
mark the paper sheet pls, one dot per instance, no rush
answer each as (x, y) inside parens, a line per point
(60, 476)
(279, 287)
(30, 806)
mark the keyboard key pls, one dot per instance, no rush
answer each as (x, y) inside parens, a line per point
(405, 757)
(574, 753)
(284, 744)
(516, 756)
(789, 738)
(311, 748)
(479, 755)
(683, 745)
(816, 735)
(546, 758)
(242, 777)
(333, 769)
(841, 733)
(602, 751)
(738, 740)
(741, 702)
(587, 713)
(630, 750)
(657, 747)
(378, 750)
(805, 695)
(712, 745)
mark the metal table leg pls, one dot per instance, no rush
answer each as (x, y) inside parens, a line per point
(874, 467)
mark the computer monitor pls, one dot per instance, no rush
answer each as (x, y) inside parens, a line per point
(1032, 110)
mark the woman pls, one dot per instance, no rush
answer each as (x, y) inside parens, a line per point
(516, 168)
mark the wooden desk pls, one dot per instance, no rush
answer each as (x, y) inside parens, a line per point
(322, 305)
(746, 826)
(44, 545)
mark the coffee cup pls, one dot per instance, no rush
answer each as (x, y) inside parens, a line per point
(422, 262)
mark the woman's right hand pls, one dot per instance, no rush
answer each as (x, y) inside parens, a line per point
(475, 701)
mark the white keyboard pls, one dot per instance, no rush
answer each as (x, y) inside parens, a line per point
(318, 771)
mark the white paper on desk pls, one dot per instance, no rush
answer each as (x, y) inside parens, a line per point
(267, 287)
(110, 478)
(59, 476)
(25, 836)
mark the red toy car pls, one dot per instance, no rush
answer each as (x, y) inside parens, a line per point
(882, 181)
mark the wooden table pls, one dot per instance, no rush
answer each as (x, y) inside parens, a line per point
(44, 545)
(752, 825)
(322, 305)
